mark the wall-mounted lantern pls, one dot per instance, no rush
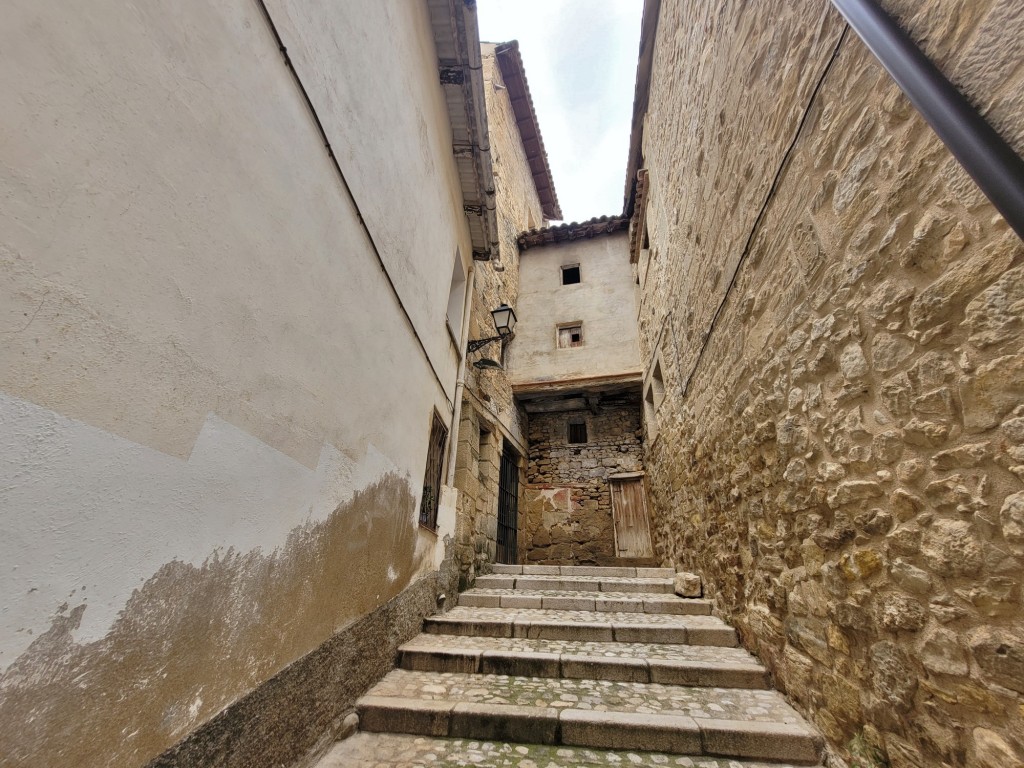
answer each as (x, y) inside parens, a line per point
(504, 323)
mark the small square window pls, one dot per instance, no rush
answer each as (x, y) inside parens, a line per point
(570, 336)
(577, 432)
(571, 274)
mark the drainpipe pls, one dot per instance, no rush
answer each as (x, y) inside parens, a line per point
(460, 383)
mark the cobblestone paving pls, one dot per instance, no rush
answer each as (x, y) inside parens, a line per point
(393, 751)
(702, 653)
(464, 613)
(597, 695)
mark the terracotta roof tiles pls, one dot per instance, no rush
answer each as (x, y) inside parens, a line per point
(577, 230)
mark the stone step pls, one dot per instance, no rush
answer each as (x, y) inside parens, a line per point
(630, 584)
(582, 625)
(584, 570)
(575, 600)
(685, 720)
(373, 750)
(694, 665)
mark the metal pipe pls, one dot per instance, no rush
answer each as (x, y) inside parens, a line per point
(983, 153)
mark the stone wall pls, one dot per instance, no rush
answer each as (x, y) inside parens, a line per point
(566, 517)
(843, 462)
(489, 411)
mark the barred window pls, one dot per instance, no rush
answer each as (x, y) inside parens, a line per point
(432, 475)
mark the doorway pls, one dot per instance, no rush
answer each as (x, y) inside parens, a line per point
(508, 507)
(629, 516)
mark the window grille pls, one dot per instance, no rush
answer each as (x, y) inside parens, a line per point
(432, 476)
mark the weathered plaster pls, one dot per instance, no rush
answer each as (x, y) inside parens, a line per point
(147, 682)
(215, 413)
(603, 301)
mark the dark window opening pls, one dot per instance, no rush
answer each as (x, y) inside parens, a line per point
(570, 275)
(577, 431)
(432, 476)
(570, 336)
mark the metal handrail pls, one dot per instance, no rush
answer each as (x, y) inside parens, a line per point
(983, 153)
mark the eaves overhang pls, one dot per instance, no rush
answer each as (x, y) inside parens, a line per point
(457, 40)
(641, 93)
(577, 230)
(513, 74)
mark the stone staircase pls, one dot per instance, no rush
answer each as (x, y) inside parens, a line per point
(548, 666)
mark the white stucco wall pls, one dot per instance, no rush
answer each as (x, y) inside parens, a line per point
(200, 352)
(604, 301)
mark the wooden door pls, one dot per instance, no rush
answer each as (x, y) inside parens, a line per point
(629, 515)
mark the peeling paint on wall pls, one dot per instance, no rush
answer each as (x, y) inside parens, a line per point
(124, 698)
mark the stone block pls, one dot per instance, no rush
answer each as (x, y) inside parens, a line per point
(674, 606)
(628, 730)
(708, 674)
(470, 599)
(541, 570)
(655, 573)
(521, 601)
(596, 570)
(720, 637)
(504, 722)
(619, 605)
(440, 660)
(495, 582)
(392, 714)
(760, 741)
(568, 603)
(506, 570)
(605, 668)
(558, 630)
(687, 585)
(522, 664)
(649, 633)
(443, 625)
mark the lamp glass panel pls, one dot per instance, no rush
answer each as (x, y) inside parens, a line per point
(504, 320)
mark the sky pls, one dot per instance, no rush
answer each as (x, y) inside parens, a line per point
(580, 58)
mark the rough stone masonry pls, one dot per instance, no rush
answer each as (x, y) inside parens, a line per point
(840, 453)
(567, 513)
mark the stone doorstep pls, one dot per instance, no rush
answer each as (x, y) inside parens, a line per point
(687, 672)
(582, 584)
(721, 636)
(589, 601)
(371, 750)
(582, 570)
(677, 734)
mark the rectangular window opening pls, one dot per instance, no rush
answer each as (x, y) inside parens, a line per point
(570, 274)
(570, 336)
(432, 475)
(577, 432)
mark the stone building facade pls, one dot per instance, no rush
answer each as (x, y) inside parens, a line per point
(575, 368)
(831, 331)
(492, 423)
(567, 512)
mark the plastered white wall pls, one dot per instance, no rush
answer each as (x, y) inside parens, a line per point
(200, 351)
(604, 301)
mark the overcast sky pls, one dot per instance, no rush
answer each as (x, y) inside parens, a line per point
(580, 59)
